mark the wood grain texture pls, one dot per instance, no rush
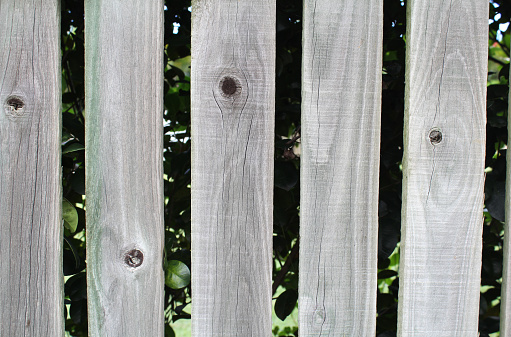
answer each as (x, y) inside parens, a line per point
(233, 111)
(341, 99)
(443, 182)
(31, 279)
(505, 306)
(124, 177)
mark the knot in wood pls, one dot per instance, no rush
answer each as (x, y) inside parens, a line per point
(229, 86)
(134, 258)
(319, 316)
(14, 106)
(435, 136)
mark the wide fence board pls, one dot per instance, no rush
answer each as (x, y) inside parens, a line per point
(31, 281)
(505, 306)
(443, 168)
(341, 99)
(124, 169)
(232, 97)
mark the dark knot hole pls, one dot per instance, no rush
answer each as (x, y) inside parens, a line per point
(435, 136)
(15, 103)
(229, 86)
(134, 258)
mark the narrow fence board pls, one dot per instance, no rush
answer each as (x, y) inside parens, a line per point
(505, 307)
(124, 185)
(341, 99)
(31, 280)
(443, 168)
(232, 93)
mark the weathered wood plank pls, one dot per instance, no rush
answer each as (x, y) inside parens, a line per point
(505, 306)
(232, 93)
(341, 99)
(443, 168)
(124, 146)
(31, 280)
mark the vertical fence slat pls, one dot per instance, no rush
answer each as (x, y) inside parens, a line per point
(443, 168)
(31, 295)
(341, 99)
(124, 135)
(505, 307)
(233, 70)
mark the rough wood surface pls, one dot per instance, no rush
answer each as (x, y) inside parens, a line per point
(31, 279)
(124, 185)
(443, 168)
(232, 97)
(341, 99)
(505, 306)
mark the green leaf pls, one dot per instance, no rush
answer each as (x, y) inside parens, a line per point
(177, 274)
(285, 304)
(495, 202)
(73, 148)
(286, 175)
(76, 287)
(387, 273)
(390, 56)
(68, 268)
(78, 311)
(70, 215)
(169, 332)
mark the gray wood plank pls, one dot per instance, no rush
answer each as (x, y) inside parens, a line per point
(232, 97)
(341, 100)
(505, 306)
(124, 147)
(443, 168)
(31, 280)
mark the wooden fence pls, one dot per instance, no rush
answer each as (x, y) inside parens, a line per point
(233, 83)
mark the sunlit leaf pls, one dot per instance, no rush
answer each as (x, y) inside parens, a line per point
(70, 215)
(177, 274)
